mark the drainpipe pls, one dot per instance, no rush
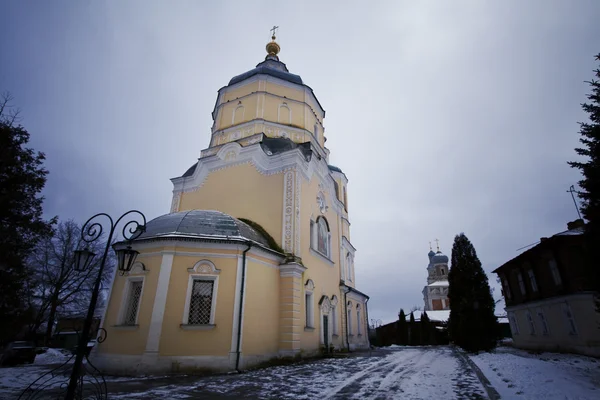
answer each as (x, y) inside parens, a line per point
(239, 333)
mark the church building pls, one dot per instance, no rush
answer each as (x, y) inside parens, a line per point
(435, 293)
(255, 259)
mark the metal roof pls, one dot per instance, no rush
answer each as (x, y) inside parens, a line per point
(201, 224)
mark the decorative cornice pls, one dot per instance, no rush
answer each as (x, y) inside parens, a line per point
(292, 269)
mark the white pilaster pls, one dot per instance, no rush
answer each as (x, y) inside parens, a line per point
(158, 310)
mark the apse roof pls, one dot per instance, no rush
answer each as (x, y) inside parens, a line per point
(201, 224)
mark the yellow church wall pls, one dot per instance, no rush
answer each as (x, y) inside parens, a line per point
(324, 274)
(176, 341)
(261, 310)
(131, 340)
(244, 109)
(240, 91)
(242, 192)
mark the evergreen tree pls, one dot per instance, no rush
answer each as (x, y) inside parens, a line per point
(414, 337)
(22, 178)
(426, 336)
(590, 168)
(402, 333)
(590, 184)
(473, 325)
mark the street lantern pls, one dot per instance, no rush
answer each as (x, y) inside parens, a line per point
(126, 257)
(83, 259)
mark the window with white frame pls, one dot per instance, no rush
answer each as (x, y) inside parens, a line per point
(201, 302)
(532, 280)
(514, 326)
(308, 304)
(570, 320)
(521, 283)
(201, 297)
(555, 272)
(531, 323)
(358, 327)
(320, 239)
(334, 318)
(349, 317)
(542, 318)
(349, 265)
(133, 296)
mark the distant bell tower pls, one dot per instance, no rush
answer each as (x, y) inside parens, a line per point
(435, 293)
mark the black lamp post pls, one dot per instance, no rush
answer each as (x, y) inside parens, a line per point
(90, 232)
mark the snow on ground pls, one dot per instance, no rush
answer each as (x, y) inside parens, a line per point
(516, 374)
(53, 356)
(397, 373)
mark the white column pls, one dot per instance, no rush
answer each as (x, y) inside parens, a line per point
(158, 310)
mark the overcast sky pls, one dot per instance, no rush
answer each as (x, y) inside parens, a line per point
(446, 116)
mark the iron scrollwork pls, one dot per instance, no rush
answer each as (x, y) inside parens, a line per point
(77, 377)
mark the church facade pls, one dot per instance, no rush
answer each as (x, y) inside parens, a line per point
(255, 259)
(435, 293)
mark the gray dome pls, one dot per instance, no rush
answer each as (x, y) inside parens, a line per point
(270, 67)
(430, 254)
(439, 258)
(205, 224)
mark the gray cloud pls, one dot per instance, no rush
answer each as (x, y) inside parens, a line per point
(446, 117)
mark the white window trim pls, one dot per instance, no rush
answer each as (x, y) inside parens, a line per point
(506, 286)
(235, 112)
(566, 307)
(358, 330)
(284, 105)
(349, 318)
(531, 322)
(314, 238)
(553, 265)
(125, 300)
(309, 305)
(543, 321)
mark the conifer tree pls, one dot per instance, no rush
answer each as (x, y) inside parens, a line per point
(425, 329)
(22, 178)
(413, 331)
(402, 333)
(473, 325)
(590, 168)
(590, 184)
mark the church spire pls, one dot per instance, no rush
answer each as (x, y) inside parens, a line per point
(272, 47)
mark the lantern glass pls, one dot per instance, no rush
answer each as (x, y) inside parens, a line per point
(83, 259)
(126, 257)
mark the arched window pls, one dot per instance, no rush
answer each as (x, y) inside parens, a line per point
(349, 266)
(322, 236)
(284, 114)
(349, 318)
(316, 131)
(238, 114)
(334, 302)
(358, 330)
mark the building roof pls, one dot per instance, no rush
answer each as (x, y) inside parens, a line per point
(439, 258)
(439, 283)
(544, 242)
(202, 224)
(273, 68)
(434, 315)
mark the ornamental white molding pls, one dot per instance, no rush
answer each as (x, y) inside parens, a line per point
(264, 164)
(138, 268)
(204, 267)
(175, 202)
(325, 304)
(288, 210)
(334, 301)
(294, 270)
(229, 152)
(309, 285)
(297, 248)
